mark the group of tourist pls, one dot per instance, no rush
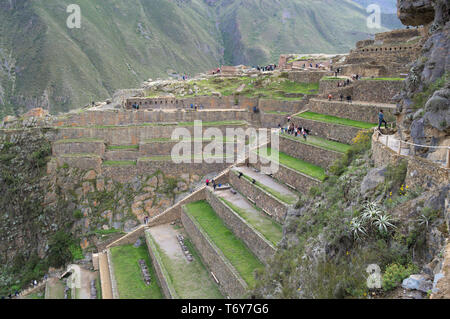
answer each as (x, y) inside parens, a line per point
(344, 83)
(135, 106)
(217, 71)
(197, 107)
(341, 97)
(295, 130)
(269, 67)
(213, 183)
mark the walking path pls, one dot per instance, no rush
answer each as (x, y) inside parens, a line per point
(362, 103)
(265, 180)
(105, 277)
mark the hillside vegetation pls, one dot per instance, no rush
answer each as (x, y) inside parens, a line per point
(43, 63)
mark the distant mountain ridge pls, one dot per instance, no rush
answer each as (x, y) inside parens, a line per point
(123, 42)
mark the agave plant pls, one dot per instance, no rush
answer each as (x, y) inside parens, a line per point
(357, 227)
(423, 220)
(383, 222)
(371, 212)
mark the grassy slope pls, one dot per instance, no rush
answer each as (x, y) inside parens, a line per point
(320, 142)
(129, 276)
(232, 247)
(335, 120)
(190, 280)
(269, 228)
(294, 163)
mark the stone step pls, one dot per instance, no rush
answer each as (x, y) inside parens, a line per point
(227, 256)
(266, 193)
(357, 110)
(180, 271)
(256, 229)
(105, 277)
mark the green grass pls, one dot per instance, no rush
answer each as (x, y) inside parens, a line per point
(384, 79)
(130, 283)
(319, 142)
(269, 228)
(189, 280)
(332, 78)
(80, 155)
(119, 163)
(334, 120)
(233, 248)
(204, 139)
(78, 140)
(122, 147)
(277, 112)
(165, 158)
(214, 123)
(284, 198)
(295, 163)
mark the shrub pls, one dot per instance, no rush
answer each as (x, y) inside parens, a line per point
(77, 214)
(395, 273)
(60, 249)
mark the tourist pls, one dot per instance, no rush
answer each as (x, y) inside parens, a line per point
(207, 182)
(330, 97)
(349, 98)
(381, 120)
(341, 97)
(253, 181)
(289, 118)
(304, 133)
(240, 175)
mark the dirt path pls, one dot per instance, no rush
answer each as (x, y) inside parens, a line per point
(265, 180)
(166, 238)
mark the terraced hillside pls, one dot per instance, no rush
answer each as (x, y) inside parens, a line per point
(233, 230)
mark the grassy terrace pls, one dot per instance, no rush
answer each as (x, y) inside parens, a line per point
(383, 79)
(189, 280)
(334, 120)
(130, 283)
(284, 198)
(271, 87)
(122, 147)
(233, 248)
(182, 124)
(277, 112)
(294, 163)
(269, 228)
(319, 142)
(79, 140)
(80, 155)
(169, 140)
(164, 158)
(119, 163)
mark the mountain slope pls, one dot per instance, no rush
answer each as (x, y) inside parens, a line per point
(123, 42)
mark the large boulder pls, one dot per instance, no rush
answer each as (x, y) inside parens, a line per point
(417, 282)
(372, 179)
(415, 12)
(438, 110)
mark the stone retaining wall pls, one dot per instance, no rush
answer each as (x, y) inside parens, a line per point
(376, 91)
(299, 181)
(291, 107)
(82, 162)
(230, 282)
(128, 117)
(132, 135)
(115, 291)
(420, 171)
(353, 111)
(306, 76)
(334, 132)
(165, 148)
(312, 154)
(164, 280)
(263, 199)
(122, 155)
(260, 246)
(60, 148)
